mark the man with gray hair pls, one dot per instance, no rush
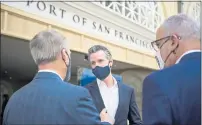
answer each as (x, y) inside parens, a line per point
(108, 93)
(48, 99)
(172, 95)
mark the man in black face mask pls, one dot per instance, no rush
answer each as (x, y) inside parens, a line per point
(49, 98)
(172, 95)
(116, 98)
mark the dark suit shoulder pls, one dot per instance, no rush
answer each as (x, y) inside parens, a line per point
(180, 68)
(82, 92)
(88, 86)
(75, 88)
(174, 77)
(164, 73)
(21, 90)
(160, 78)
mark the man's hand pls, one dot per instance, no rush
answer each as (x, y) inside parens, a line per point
(105, 117)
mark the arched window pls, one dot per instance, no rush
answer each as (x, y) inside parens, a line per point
(146, 14)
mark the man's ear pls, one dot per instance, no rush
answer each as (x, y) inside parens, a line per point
(64, 55)
(110, 63)
(175, 42)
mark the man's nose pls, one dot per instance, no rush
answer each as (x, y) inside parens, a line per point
(96, 64)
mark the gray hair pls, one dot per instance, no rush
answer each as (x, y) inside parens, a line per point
(46, 46)
(97, 48)
(183, 25)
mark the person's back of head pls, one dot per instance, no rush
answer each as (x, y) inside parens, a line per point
(177, 35)
(50, 51)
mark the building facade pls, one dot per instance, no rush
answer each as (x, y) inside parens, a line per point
(126, 28)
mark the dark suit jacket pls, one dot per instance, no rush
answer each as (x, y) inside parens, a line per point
(49, 100)
(127, 107)
(172, 96)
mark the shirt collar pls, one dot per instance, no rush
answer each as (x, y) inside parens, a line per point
(188, 52)
(52, 71)
(101, 83)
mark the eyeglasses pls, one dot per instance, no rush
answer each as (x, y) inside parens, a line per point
(157, 44)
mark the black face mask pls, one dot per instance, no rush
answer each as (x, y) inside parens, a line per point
(101, 72)
(68, 73)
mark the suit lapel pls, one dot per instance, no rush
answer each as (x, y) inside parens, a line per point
(97, 97)
(121, 96)
(99, 103)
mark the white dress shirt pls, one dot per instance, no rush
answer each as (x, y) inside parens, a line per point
(47, 70)
(188, 52)
(110, 96)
